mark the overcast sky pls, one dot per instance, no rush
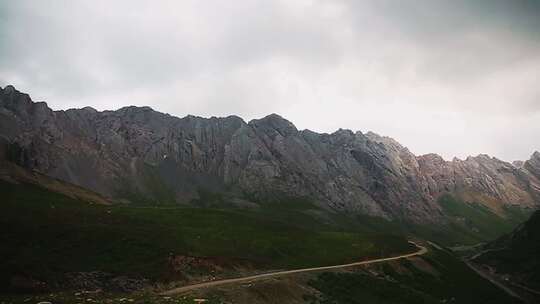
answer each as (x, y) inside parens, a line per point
(452, 77)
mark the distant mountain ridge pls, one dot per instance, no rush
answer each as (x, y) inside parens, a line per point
(136, 153)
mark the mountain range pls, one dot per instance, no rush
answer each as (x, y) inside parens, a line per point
(138, 155)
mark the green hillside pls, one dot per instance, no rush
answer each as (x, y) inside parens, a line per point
(438, 277)
(517, 254)
(472, 223)
(46, 234)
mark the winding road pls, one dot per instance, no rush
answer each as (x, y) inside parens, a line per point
(422, 250)
(493, 281)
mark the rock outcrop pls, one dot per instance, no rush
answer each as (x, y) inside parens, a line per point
(136, 152)
(483, 179)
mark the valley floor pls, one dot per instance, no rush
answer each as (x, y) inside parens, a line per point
(422, 250)
(60, 250)
(430, 277)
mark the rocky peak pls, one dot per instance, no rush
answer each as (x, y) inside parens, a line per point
(344, 133)
(478, 158)
(373, 136)
(267, 157)
(89, 109)
(518, 163)
(9, 89)
(18, 102)
(431, 158)
(389, 142)
(197, 124)
(274, 122)
(533, 164)
(9, 92)
(134, 109)
(233, 119)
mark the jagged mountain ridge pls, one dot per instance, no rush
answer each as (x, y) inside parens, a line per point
(137, 152)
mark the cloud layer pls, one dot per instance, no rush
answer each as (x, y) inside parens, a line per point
(452, 77)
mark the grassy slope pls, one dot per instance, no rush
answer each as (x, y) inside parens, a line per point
(481, 221)
(518, 253)
(470, 223)
(454, 282)
(45, 234)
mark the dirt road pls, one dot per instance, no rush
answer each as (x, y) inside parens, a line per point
(422, 250)
(493, 281)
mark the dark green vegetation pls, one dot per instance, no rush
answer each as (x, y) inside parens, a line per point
(45, 235)
(159, 193)
(468, 223)
(517, 254)
(472, 223)
(69, 297)
(162, 184)
(448, 281)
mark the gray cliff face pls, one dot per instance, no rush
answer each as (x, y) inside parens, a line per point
(533, 164)
(483, 179)
(138, 151)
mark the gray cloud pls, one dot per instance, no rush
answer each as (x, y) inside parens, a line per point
(451, 77)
